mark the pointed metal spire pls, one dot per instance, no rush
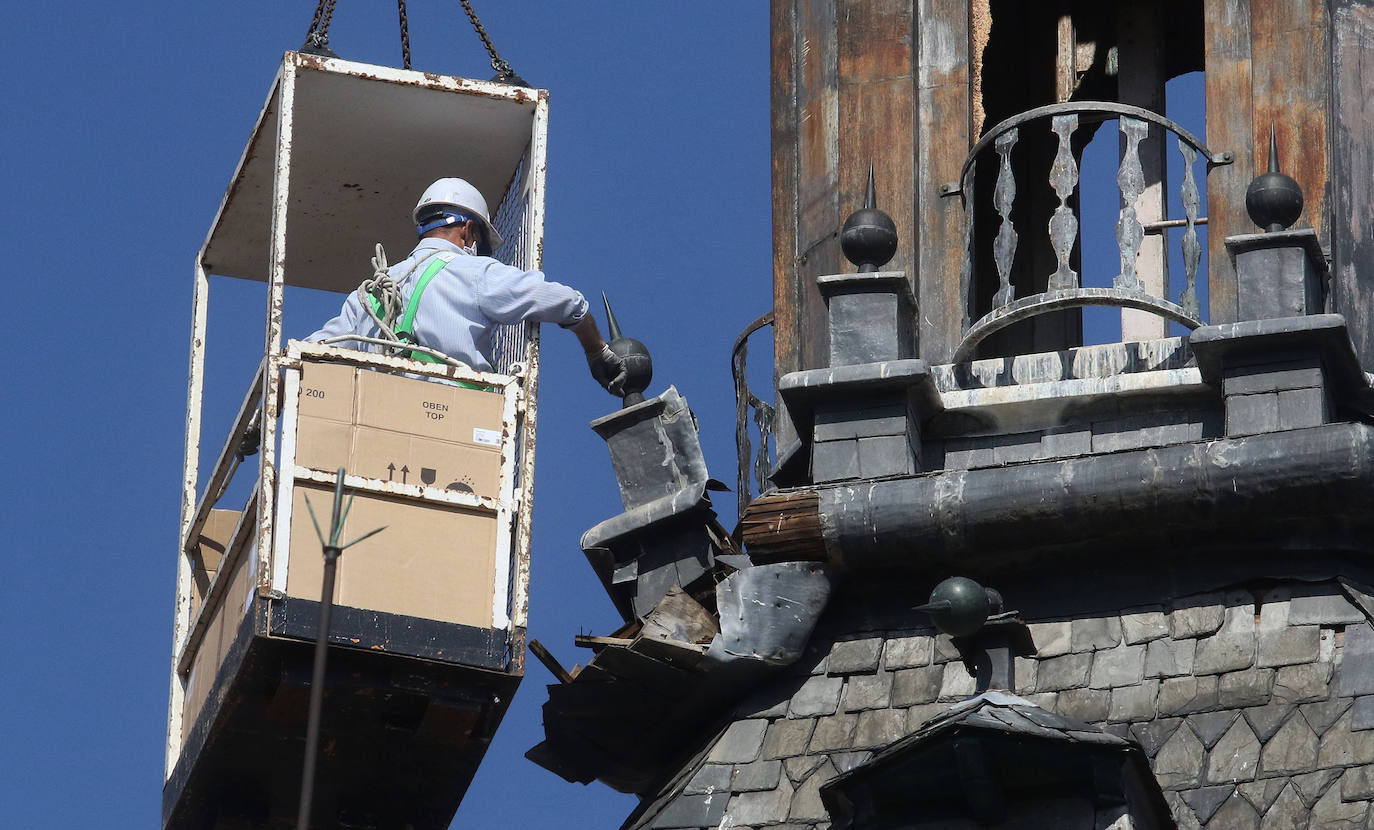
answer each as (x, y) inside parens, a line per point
(634, 353)
(611, 324)
(869, 237)
(1273, 151)
(1273, 200)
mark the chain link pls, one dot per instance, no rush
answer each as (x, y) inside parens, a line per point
(318, 36)
(405, 34)
(503, 70)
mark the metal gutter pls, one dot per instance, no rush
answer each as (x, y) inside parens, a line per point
(1124, 499)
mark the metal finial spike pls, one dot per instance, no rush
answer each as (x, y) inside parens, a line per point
(611, 324)
(1273, 200)
(1273, 150)
(871, 197)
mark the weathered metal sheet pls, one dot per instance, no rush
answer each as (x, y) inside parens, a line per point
(1132, 498)
(768, 612)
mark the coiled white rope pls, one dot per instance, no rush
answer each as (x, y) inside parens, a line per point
(386, 291)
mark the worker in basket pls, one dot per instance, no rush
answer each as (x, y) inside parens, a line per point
(450, 294)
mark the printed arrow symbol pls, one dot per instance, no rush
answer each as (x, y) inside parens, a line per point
(405, 471)
(390, 471)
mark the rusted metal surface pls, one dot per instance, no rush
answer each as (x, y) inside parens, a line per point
(524, 517)
(276, 296)
(181, 613)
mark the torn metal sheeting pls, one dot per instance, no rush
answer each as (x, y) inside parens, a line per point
(767, 612)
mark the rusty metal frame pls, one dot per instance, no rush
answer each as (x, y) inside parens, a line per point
(259, 528)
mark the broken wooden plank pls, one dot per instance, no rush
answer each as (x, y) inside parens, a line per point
(550, 662)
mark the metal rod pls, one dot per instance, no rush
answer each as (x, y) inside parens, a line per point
(1156, 227)
(312, 727)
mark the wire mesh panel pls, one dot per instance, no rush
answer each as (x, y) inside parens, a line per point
(510, 343)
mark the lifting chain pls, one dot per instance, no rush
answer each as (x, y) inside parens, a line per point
(503, 71)
(318, 36)
(317, 39)
(405, 34)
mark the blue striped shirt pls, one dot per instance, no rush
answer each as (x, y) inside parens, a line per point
(463, 302)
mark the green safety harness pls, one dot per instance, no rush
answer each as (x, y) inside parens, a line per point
(405, 329)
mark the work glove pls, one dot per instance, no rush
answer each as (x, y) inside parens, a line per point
(609, 370)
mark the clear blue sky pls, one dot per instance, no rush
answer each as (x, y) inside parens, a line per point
(123, 126)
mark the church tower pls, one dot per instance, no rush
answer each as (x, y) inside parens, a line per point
(1027, 574)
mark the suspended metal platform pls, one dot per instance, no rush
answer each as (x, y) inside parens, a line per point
(428, 633)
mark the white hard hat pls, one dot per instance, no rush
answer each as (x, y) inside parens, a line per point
(457, 193)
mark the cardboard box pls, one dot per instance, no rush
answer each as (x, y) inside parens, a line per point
(408, 459)
(214, 538)
(428, 409)
(327, 392)
(223, 621)
(433, 561)
(399, 429)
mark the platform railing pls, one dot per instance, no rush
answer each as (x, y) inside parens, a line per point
(1064, 288)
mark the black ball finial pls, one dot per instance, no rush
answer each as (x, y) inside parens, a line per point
(869, 238)
(1273, 199)
(959, 606)
(635, 354)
